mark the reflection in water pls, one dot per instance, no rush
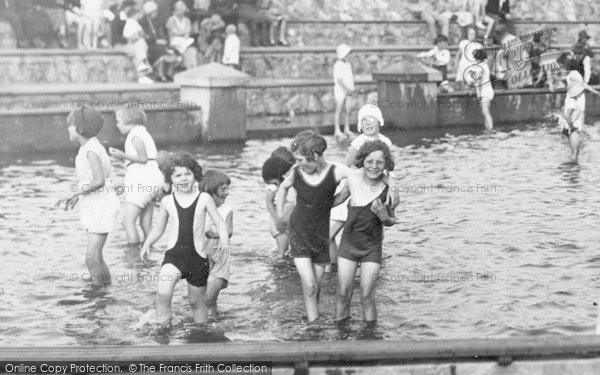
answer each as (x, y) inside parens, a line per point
(490, 244)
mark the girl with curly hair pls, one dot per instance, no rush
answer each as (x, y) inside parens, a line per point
(363, 232)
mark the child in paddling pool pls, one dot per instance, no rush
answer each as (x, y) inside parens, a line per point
(370, 119)
(143, 178)
(363, 232)
(480, 73)
(98, 202)
(216, 183)
(274, 170)
(572, 119)
(315, 181)
(186, 258)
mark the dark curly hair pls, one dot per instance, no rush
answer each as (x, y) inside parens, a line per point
(284, 154)
(368, 148)
(184, 159)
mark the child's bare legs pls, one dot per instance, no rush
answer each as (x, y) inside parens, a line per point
(575, 143)
(132, 212)
(283, 30)
(339, 105)
(334, 228)
(283, 243)
(431, 23)
(485, 110)
(146, 219)
(93, 259)
(369, 272)
(346, 271)
(311, 276)
(348, 108)
(213, 288)
(169, 276)
(196, 296)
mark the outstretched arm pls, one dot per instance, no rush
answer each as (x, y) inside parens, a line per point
(157, 230)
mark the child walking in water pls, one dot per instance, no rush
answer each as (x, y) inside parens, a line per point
(274, 170)
(315, 181)
(483, 84)
(363, 232)
(143, 178)
(216, 183)
(186, 258)
(98, 202)
(370, 119)
(573, 117)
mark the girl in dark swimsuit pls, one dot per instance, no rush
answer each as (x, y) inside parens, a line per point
(363, 232)
(314, 180)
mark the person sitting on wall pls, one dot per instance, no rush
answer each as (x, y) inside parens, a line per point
(36, 24)
(8, 13)
(118, 23)
(584, 64)
(257, 21)
(497, 13)
(179, 27)
(584, 39)
(55, 9)
(438, 20)
(163, 58)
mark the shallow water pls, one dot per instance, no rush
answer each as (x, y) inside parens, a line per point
(498, 237)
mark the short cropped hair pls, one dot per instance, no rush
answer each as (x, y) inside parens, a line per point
(284, 154)
(186, 160)
(368, 148)
(133, 116)
(275, 168)
(213, 180)
(314, 144)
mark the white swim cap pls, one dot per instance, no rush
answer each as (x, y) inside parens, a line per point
(369, 109)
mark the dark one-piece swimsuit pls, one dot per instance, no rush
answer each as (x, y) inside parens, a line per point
(183, 255)
(363, 234)
(309, 222)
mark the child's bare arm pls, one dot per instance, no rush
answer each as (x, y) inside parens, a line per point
(282, 194)
(351, 156)
(140, 149)
(270, 197)
(213, 213)
(341, 196)
(157, 230)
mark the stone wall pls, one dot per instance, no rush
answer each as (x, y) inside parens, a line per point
(65, 66)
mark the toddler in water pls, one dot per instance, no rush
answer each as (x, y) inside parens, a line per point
(98, 203)
(216, 183)
(143, 178)
(363, 232)
(273, 171)
(186, 258)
